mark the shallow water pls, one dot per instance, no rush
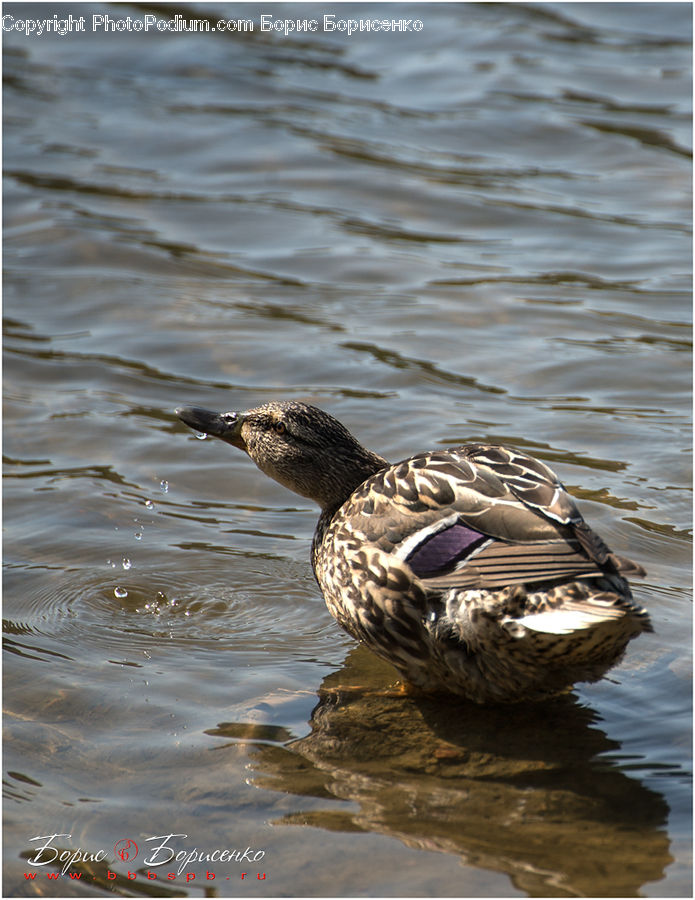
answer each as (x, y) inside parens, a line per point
(477, 231)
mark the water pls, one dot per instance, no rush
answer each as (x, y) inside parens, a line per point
(480, 230)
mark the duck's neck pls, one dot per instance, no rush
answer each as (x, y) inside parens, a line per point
(353, 473)
(345, 476)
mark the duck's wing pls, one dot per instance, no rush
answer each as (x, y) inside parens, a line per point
(480, 516)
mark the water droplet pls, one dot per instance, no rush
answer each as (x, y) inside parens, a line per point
(126, 563)
(110, 563)
(138, 535)
(149, 504)
(200, 435)
(164, 486)
(120, 592)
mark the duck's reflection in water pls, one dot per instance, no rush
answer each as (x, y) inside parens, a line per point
(519, 789)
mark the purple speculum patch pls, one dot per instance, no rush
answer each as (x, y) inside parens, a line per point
(441, 552)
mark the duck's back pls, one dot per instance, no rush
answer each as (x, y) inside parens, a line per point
(476, 559)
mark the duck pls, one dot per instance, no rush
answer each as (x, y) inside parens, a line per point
(470, 570)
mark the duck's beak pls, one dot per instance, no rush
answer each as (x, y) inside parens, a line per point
(226, 426)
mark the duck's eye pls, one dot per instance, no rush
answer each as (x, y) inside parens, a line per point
(280, 427)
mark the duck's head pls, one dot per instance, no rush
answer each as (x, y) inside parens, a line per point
(300, 446)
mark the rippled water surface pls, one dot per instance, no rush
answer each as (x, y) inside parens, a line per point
(476, 231)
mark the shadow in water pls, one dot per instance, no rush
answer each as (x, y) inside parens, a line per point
(519, 789)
